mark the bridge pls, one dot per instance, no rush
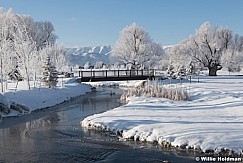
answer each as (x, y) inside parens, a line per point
(93, 75)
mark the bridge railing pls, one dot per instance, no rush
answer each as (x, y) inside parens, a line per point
(114, 73)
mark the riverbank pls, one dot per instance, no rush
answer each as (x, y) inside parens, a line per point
(211, 121)
(41, 97)
(56, 134)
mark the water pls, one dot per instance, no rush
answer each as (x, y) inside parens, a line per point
(55, 135)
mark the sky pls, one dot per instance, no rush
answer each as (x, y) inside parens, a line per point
(99, 22)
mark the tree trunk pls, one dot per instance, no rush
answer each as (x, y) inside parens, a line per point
(28, 77)
(2, 74)
(213, 71)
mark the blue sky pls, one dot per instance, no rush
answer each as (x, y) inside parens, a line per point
(98, 22)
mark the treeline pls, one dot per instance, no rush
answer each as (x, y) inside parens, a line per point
(211, 47)
(25, 45)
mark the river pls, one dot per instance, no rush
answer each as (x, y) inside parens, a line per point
(55, 135)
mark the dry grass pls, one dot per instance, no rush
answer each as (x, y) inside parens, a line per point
(157, 90)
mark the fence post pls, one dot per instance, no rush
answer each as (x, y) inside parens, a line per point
(118, 73)
(106, 73)
(93, 73)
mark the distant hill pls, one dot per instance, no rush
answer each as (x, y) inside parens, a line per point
(79, 56)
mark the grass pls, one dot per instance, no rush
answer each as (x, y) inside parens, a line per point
(155, 89)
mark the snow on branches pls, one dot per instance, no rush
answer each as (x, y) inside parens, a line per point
(50, 74)
(209, 46)
(135, 47)
(24, 46)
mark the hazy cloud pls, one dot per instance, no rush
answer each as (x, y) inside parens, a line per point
(72, 19)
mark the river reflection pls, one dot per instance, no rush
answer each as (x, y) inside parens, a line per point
(55, 135)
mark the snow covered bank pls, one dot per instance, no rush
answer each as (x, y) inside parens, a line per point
(42, 97)
(211, 120)
(130, 83)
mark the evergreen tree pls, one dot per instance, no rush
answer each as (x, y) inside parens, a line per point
(170, 72)
(190, 71)
(50, 74)
(15, 74)
(180, 73)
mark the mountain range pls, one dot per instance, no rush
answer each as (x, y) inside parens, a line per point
(79, 56)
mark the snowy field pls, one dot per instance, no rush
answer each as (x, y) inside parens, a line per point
(42, 97)
(211, 120)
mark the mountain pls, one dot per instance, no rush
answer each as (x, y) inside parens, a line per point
(167, 48)
(79, 56)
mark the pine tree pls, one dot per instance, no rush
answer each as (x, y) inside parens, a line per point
(50, 74)
(180, 73)
(15, 74)
(190, 71)
(170, 72)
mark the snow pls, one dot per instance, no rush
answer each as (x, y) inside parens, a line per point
(4, 100)
(129, 83)
(210, 120)
(41, 97)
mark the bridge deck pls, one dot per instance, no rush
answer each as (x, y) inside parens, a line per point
(114, 75)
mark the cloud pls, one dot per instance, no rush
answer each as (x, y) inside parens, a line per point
(72, 19)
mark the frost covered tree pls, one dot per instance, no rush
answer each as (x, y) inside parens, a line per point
(3, 46)
(98, 64)
(87, 65)
(170, 72)
(206, 46)
(238, 43)
(232, 60)
(50, 74)
(57, 54)
(181, 72)
(41, 32)
(24, 45)
(25, 49)
(44, 34)
(135, 47)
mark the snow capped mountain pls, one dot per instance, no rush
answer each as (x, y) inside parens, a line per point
(79, 56)
(168, 47)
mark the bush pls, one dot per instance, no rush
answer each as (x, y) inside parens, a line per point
(157, 90)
